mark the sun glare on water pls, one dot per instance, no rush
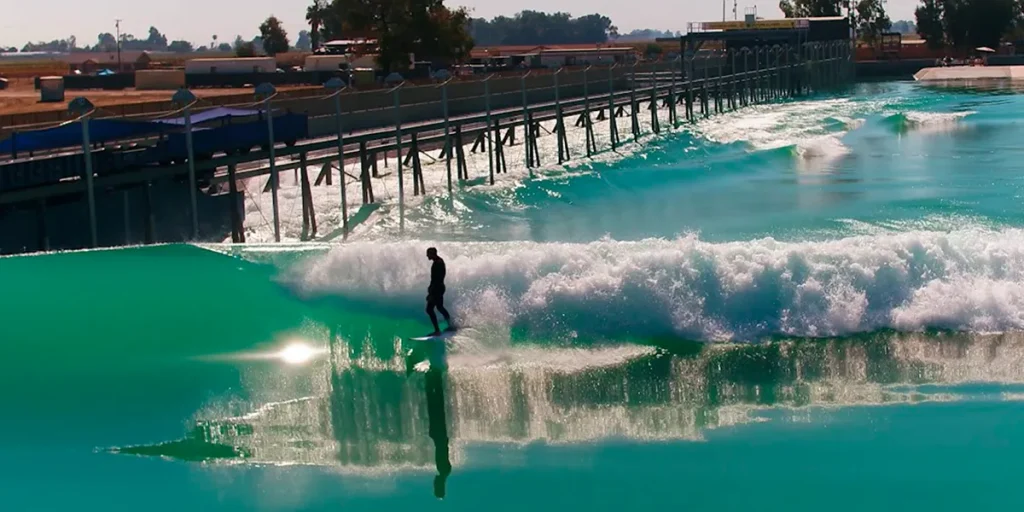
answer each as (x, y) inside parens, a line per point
(297, 353)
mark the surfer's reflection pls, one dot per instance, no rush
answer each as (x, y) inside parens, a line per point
(434, 352)
(438, 428)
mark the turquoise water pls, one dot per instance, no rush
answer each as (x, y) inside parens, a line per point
(805, 306)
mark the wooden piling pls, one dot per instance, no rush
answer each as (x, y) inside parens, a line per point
(460, 155)
(417, 168)
(499, 149)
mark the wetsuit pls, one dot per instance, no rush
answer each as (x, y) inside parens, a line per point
(435, 293)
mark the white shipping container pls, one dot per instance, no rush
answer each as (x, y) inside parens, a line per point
(333, 62)
(232, 65)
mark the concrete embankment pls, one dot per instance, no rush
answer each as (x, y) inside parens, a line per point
(970, 73)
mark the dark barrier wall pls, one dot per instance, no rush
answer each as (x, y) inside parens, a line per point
(892, 68)
(67, 219)
(1006, 60)
(127, 80)
(115, 82)
(250, 79)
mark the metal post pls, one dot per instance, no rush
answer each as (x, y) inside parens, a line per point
(398, 158)
(274, 184)
(558, 118)
(341, 164)
(526, 124)
(192, 186)
(673, 117)
(611, 107)
(447, 135)
(267, 92)
(90, 189)
(587, 131)
(84, 108)
(487, 131)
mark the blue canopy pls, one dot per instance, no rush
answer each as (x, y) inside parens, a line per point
(70, 135)
(210, 115)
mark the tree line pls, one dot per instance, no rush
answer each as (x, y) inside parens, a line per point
(970, 23)
(960, 24)
(868, 17)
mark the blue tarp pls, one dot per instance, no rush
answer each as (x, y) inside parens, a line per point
(210, 115)
(70, 135)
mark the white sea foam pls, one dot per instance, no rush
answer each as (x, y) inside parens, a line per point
(971, 279)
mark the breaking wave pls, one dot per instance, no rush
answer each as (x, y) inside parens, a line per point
(971, 279)
(925, 121)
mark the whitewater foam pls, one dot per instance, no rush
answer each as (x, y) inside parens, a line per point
(927, 122)
(971, 279)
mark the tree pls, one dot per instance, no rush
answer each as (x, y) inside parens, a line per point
(966, 23)
(245, 49)
(57, 45)
(811, 8)
(105, 42)
(929, 23)
(426, 29)
(644, 34)
(904, 27)
(224, 47)
(303, 42)
(315, 14)
(872, 20)
(533, 27)
(180, 46)
(156, 40)
(275, 39)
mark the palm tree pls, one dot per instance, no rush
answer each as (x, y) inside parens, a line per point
(315, 16)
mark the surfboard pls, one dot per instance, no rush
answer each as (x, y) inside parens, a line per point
(443, 336)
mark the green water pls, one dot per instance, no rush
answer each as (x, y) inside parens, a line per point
(799, 307)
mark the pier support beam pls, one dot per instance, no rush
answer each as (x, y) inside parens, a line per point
(237, 230)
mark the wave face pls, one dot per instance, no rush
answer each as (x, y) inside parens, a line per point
(971, 279)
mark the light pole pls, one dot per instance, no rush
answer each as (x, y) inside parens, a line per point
(186, 99)
(117, 28)
(337, 85)
(84, 108)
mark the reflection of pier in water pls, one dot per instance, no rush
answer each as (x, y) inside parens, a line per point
(377, 419)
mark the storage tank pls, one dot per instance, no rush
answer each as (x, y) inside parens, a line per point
(51, 88)
(231, 65)
(159, 79)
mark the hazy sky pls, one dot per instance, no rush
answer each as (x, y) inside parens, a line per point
(198, 20)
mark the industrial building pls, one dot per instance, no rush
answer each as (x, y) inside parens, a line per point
(753, 32)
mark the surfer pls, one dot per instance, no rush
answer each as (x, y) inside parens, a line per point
(435, 292)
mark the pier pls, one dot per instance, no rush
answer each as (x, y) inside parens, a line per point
(369, 148)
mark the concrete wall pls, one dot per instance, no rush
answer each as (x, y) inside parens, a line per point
(891, 69)
(67, 219)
